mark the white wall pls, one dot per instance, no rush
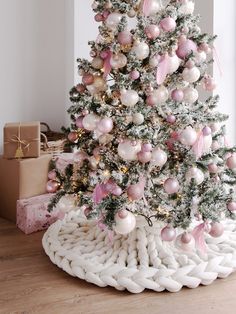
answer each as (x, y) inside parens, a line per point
(32, 61)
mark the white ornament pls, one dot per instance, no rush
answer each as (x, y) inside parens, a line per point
(196, 174)
(90, 121)
(159, 157)
(174, 63)
(124, 225)
(138, 118)
(129, 98)
(160, 95)
(207, 142)
(190, 95)
(118, 61)
(153, 8)
(153, 62)
(66, 203)
(187, 8)
(200, 57)
(128, 150)
(113, 20)
(141, 50)
(191, 75)
(188, 136)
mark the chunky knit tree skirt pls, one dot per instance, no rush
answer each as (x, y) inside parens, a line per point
(138, 261)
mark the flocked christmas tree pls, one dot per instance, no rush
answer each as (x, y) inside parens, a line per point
(146, 145)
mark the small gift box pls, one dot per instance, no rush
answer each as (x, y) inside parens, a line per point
(22, 140)
(20, 179)
(32, 214)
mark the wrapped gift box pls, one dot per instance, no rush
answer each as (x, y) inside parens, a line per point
(21, 179)
(22, 140)
(32, 214)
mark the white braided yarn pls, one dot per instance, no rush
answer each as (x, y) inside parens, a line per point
(139, 260)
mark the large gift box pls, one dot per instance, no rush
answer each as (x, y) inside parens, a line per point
(20, 179)
(22, 140)
(32, 214)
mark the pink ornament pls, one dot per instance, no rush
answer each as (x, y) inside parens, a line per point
(168, 234)
(72, 136)
(217, 229)
(125, 38)
(186, 238)
(96, 152)
(117, 191)
(206, 131)
(231, 206)
(185, 48)
(159, 157)
(105, 125)
(152, 31)
(144, 157)
(88, 79)
(136, 191)
(52, 175)
(204, 47)
(80, 156)
(190, 64)
(79, 122)
(171, 119)
(52, 186)
(231, 162)
(177, 95)
(213, 168)
(134, 75)
(104, 54)
(87, 211)
(168, 24)
(147, 147)
(122, 213)
(105, 14)
(99, 17)
(171, 186)
(209, 84)
(80, 88)
(151, 101)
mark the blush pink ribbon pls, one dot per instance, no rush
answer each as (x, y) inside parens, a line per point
(162, 69)
(146, 7)
(107, 64)
(199, 145)
(198, 234)
(102, 190)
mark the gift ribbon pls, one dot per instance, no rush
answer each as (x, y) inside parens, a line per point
(198, 234)
(162, 69)
(21, 143)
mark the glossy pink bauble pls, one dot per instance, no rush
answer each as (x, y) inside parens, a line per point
(185, 48)
(209, 84)
(171, 186)
(117, 191)
(134, 75)
(231, 162)
(87, 211)
(105, 125)
(80, 88)
(79, 122)
(168, 234)
(104, 54)
(186, 238)
(147, 147)
(52, 186)
(190, 64)
(217, 229)
(99, 17)
(135, 192)
(123, 213)
(171, 119)
(125, 38)
(144, 157)
(151, 100)
(213, 168)
(152, 31)
(72, 136)
(52, 175)
(206, 131)
(88, 79)
(168, 24)
(177, 95)
(231, 206)
(105, 14)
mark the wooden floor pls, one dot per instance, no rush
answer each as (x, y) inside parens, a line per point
(30, 283)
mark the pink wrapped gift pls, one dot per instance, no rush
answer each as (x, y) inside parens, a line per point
(32, 214)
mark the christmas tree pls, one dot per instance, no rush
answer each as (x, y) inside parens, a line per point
(145, 144)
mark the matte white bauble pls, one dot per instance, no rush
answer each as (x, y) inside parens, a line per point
(188, 136)
(128, 151)
(66, 203)
(174, 63)
(138, 118)
(124, 224)
(187, 8)
(153, 7)
(200, 57)
(207, 142)
(153, 61)
(190, 95)
(160, 95)
(191, 75)
(113, 20)
(118, 61)
(196, 174)
(141, 50)
(129, 97)
(90, 121)
(159, 157)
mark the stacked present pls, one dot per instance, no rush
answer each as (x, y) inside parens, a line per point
(24, 171)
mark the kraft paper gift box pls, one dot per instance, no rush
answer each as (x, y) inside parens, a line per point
(32, 214)
(20, 179)
(21, 140)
